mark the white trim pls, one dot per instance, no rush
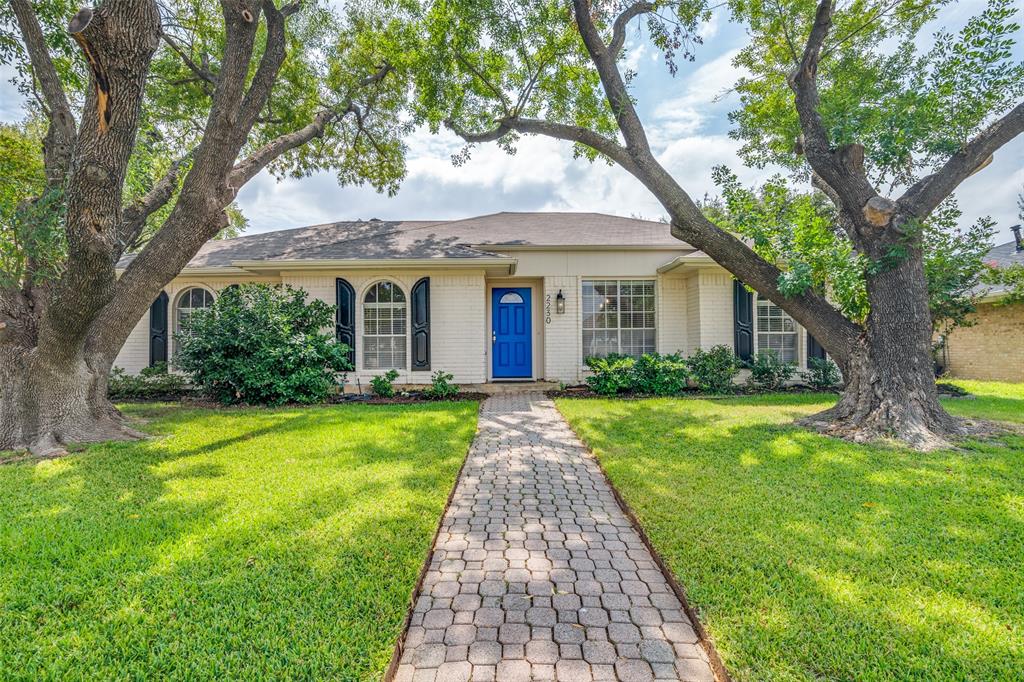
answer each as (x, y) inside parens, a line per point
(175, 300)
(657, 306)
(798, 331)
(361, 327)
(536, 324)
(689, 259)
(378, 264)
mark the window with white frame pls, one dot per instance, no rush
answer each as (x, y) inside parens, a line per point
(189, 301)
(775, 331)
(618, 317)
(384, 327)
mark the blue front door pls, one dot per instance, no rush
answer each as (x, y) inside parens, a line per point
(511, 338)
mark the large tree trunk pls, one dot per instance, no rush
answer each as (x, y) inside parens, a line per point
(890, 381)
(47, 403)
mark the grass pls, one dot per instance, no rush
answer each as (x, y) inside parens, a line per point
(810, 558)
(257, 544)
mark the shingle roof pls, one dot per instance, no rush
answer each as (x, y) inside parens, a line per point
(421, 239)
(1001, 256)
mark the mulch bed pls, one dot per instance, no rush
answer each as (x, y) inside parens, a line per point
(192, 399)
(585, 392)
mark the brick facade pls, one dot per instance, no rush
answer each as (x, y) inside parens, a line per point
(993, 349)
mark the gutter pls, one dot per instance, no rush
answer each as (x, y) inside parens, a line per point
(680, 261)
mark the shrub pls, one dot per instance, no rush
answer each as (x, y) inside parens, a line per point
(713, 370)
(768, 371)
(262, 344)
(660, 374)
(822, 374)
(441, 387)
(611, 375)
(383, 385)
(151, 383)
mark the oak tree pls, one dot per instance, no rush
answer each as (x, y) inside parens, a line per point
(156, 115)
(839, 93)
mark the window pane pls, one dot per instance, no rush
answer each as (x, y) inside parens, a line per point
(384, 327)
(618, 317)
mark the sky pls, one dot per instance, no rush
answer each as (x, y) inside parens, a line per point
(686, 119)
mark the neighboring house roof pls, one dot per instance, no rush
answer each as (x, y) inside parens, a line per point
(471, 239)
(1001, 256)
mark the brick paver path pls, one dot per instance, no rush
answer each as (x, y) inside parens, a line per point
(537, 574)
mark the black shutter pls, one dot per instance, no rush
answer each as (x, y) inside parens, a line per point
(814, 349)
(421, 325)
(345, 316)
(743, 320)
(158, 330)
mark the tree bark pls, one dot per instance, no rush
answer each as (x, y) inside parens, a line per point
(890, 381)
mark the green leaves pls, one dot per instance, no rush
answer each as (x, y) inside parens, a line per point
(909, 109)
(261, 344)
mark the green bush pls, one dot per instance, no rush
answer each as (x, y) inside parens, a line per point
(263, 345)
(383, 385)
(822, 374)
(714, 370)
(152, 383)
(769, 372)
(441, 386)
(660, 374)
(611, 375)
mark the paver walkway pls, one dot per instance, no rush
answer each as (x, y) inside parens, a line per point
(537, 574)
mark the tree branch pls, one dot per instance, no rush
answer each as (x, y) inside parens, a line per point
(841, 169)
(614, 87)
(135, 215)
(198, 70)
(621, 21)
(927, 193)
(270, 63)
(61, 134)
(610, 148)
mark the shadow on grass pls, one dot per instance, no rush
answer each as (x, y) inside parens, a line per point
(814, 558)
(237, 544)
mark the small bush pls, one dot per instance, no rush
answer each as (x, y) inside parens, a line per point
(441, 386)
(822, 374)
(611, 375)
(660, 374)
(152, 383)
(714, 370)
(383, 385)
(263, 345)
(768, 372)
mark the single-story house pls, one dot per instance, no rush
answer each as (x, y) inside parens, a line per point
(502, 297)
(993, 347)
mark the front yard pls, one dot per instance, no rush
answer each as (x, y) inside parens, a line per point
(259, 544)
(810, 558)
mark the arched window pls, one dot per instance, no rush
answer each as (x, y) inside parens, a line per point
(384, 327)
(776, 331)
(189, 301)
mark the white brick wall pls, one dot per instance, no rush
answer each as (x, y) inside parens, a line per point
(716, 315)
(457, 319)
(562, 337)
(671, 305)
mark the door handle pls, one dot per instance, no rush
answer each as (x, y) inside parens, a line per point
(494, 337)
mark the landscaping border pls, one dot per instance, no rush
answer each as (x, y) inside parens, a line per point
(396, 654)
(717, 666)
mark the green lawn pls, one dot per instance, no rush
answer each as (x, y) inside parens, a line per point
(810, 558)
(257, 544)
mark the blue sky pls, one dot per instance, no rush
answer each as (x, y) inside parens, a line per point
(687, 121)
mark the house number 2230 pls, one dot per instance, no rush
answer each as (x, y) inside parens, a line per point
(547, 308)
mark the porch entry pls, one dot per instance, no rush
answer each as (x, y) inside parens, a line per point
(511, 334)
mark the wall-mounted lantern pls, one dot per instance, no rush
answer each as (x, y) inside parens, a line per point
(560, 303)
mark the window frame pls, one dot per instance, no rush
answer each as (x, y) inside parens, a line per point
(364, 337)
(176, 321)
(795, 332)
(619, 329)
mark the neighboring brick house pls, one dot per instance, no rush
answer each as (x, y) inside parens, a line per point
(993, 348)
(508, 296)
